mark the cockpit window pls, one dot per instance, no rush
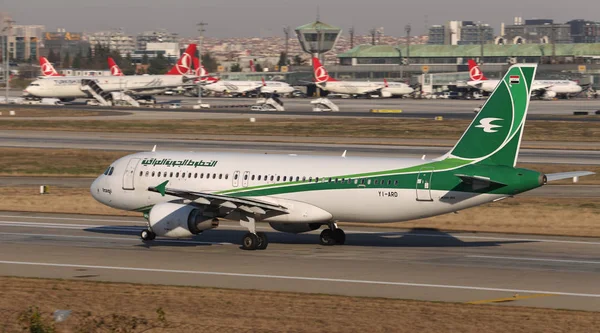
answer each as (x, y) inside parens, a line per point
(106, 171)
(110, 172)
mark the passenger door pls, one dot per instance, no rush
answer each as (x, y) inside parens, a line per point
(245, 179)
(424, 184)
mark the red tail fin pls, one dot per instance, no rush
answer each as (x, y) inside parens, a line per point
(475, 72)
(202, 73)
(114, 68)
(263, 81)
(320, 72)
(184, 64)
(47, 68)
(252, 68)
(385, 83)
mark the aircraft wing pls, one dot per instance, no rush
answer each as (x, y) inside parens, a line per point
(249, 206)
(566, 175)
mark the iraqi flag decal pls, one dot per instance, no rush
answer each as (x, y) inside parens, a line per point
(515, 79)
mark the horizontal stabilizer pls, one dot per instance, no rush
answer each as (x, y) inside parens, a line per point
(566, 175)
(479, 182)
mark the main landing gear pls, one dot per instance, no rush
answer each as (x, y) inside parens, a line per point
(147, 235)
(332, 236)
(253, 240)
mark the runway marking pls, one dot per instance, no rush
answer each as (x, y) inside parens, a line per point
(537, 259)
(160, 240)
(509, 299)
(390, 233)
(301, 278)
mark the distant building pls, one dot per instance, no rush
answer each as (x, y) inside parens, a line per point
(583, 31)
(460, 33)
(24, 42)
(155, 37)
(114, 40)
(63, 42)
(537, 31)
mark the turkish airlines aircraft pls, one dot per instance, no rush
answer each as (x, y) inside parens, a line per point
(384, 89)
(545, 89)
(181, 194)
(47, 68)
(67, 88)
(241, 87)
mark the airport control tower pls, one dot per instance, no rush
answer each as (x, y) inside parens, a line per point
(318, 38)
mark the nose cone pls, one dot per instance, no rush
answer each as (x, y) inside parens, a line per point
(95, 189)
(410, 90)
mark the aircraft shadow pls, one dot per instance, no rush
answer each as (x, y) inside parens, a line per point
(418, 237)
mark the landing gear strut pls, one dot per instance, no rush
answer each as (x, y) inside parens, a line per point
(253, 240)
(147, 235)
(332, 236)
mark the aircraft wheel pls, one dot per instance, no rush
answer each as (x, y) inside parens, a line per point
(263, 241)
(250, 241)
(147, 235)
(326, 237)
(339, 236)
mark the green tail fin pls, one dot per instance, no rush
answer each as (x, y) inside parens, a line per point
(495, 134)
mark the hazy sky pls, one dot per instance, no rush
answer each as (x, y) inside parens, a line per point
(230, 18)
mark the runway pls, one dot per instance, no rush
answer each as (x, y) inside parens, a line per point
(539, 271)
(145, 142)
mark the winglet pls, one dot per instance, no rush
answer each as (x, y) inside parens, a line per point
(162, 188)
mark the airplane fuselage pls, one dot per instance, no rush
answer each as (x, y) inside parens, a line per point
(70, 87)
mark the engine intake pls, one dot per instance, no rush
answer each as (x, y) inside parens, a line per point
(179, 220)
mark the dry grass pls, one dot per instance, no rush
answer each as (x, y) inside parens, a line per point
(526, 215)
(316, 127)
(115, 307)
(35, 112)
(91, 163)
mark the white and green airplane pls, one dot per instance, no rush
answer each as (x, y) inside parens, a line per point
(184, 193)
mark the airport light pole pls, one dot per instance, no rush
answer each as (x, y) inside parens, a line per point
(8, 29)
(201, 30)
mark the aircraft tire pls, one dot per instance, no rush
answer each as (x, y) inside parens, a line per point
(250, 242)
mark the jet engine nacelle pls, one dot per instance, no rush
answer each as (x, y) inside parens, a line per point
(295, 228)
(179, 220)
(67, 100)
(549, 94)
(386, 94)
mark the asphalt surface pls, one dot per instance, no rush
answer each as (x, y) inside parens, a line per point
(410, 108)
(539, 271)
(145, 142)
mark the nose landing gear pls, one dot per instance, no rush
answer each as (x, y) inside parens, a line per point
(147, 235)
(332, 236)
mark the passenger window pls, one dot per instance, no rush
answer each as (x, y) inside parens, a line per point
(284, 178)
(376, 181)
(208, 176)
(278, 177)
(310, 179)
(196, 175)
(159, 174)
(259, 177)
(369, 182)
(220, 176)
(190, 175)
(303, 179)
(171, 175)
(330, 180)
(147, 173)
(390, 182)
(214, 175)
(235, 177)
(272, 177)
(317, 180)
(395, 182)
(177, 175)
(252, 178)
(152, 173)
(201, 175)
(141, 173)
(355, 181)
(183, 175)
(226, 176)
(297, 178)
